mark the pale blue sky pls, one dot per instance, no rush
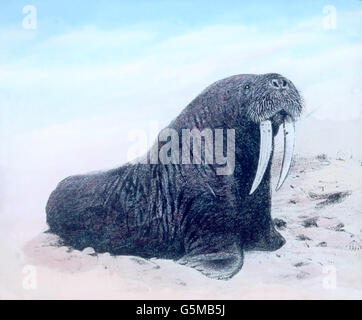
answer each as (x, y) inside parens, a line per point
(165, 18)
(94, 58)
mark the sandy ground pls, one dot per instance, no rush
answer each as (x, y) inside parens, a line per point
(320, 204)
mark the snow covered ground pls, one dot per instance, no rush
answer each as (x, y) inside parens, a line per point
(320, 203)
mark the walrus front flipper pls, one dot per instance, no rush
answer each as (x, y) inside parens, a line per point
(267, 239)
(220, 265)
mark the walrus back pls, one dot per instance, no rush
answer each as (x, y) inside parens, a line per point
(76, 210)
(129, 210)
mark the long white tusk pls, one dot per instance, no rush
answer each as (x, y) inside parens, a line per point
(266, 136)
(289, 140)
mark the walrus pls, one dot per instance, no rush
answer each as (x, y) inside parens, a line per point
(189, 212)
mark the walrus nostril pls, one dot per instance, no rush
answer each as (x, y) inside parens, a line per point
(275, 83)
(279, 83)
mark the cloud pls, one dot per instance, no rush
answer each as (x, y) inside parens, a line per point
(91, 45)
(92, 35)
(166, 73)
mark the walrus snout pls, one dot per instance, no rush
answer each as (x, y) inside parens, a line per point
(273, 94)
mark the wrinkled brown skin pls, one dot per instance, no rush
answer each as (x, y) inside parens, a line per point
(185, 212)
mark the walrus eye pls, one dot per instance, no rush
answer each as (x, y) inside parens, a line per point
(247, 87)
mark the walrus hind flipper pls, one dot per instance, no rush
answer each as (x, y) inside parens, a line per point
(219, 265)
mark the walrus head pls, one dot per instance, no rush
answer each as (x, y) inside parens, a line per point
(271, 100)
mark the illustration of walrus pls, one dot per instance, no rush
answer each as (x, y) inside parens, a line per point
(190, 212)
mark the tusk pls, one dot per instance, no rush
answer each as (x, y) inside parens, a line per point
(266, 136)
(289, 140)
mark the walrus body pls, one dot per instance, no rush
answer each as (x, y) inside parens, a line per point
(186, 212)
